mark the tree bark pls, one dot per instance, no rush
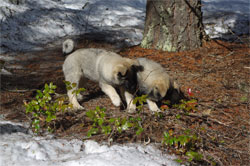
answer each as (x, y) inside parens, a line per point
(173, 25)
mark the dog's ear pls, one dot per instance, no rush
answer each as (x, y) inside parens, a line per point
(121, 76)
(176, 86)
(137, 68)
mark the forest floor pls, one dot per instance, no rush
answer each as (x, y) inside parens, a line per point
(217, 73)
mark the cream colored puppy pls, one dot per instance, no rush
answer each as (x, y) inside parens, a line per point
(156, 83)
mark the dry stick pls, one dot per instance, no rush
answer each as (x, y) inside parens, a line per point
(214, 147)
(211, 119)
(20, 90)
(230, 30)
(229, 49)
(146, 143)
(216, 121)
(110, 135)
(214, 156)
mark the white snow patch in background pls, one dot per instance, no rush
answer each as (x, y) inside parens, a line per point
(18, 147)
(33, 24)
(222, 17)
(4, 72)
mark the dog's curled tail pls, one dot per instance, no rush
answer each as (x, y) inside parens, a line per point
(68, 47)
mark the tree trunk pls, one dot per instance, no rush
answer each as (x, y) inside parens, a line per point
(173, 25)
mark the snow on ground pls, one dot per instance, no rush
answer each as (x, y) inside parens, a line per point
(31, 24)
(18, 147)
(222, 17)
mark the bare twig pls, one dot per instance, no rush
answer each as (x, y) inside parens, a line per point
(20, 90)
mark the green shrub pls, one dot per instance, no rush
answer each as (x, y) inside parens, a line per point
(97, 117)
(140, 100)
(183, 144)
(188, 106)
(44, 108)
(102, 124)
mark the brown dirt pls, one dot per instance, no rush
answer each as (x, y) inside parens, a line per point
(217, 73)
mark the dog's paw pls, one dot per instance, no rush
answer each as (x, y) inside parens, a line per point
(78, 107)
(155, 110)
(131, 108)
(116, 101)
(75, 104)
(153, 107)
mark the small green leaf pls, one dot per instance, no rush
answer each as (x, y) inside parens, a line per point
(106, 129)
(92, 131)
(194, 155)
(178, 160)
(178, 116)
(172, 141)
(125, 126)
(167, 102)
(139, 131)
(100, 122)
(112, 120)
(37, 108)
(187, 131)
(243, 99)
(73, 85)
(81, 89)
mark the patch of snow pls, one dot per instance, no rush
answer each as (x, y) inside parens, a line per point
(5, 72)
(18, 147)
(33, 24)
(224, 18)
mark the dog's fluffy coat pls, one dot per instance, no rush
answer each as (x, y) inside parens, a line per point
(156, 83)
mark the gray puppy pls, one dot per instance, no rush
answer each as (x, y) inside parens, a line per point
(107, 68)
(156, 83)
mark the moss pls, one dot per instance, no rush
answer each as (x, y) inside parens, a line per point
(169, 10)
(148, 38)
(167, 44)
